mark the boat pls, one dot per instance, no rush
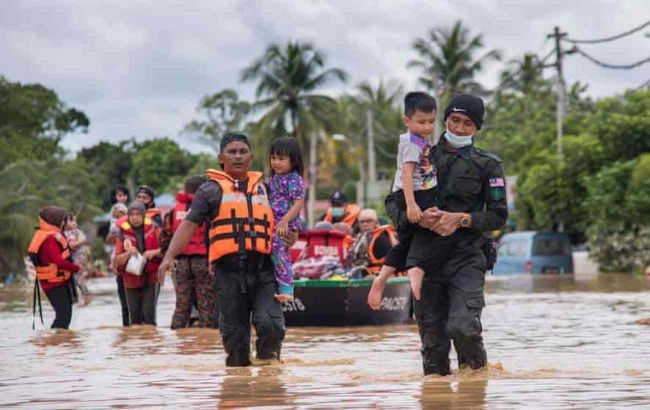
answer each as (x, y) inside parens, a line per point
(344, 303)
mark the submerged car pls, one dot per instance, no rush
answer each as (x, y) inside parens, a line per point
(534, 252)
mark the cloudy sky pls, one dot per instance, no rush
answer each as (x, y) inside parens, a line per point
(139, 67)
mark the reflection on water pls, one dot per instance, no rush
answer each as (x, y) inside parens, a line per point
(552, 342)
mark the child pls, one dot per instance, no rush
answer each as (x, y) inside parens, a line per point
(415, 179)
(287, 194)
(79, 253)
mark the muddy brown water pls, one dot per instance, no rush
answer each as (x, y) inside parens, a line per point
(553, 342)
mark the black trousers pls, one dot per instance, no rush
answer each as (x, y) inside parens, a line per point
(123, 303)
(61, 299)
(450, 309)
(142, 304)
(245, 296)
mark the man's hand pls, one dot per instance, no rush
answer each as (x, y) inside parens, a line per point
(283, 297)
(289, 238)
(448, 222)
(429, 218)
(164, 267)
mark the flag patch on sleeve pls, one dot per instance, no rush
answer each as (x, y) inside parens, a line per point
(497, 182)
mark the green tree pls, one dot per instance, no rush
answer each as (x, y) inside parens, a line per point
(156, 161)
(33, 121)
(223, 111)
(110, 165)
(448, 62)
(288, 79)
(34, 184)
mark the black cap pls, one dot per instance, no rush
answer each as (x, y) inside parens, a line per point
(338, 197)
(469, 105)
(230, 137)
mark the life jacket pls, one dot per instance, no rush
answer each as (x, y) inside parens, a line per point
(350, 213)
(49, 272)
(150, 242)
(375, 263)
(197, 244)
(155, 215)
(245, 219)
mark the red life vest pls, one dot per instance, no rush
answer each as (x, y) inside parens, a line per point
(197, 244)
(245, 219)
(150, 274)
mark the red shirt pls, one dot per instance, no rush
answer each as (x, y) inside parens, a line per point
(50, 252)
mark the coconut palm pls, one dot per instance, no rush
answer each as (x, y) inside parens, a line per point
(448, 61)
(287, 80)
(523, 75)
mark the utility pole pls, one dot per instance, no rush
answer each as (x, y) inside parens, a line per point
(372, 167)
(311, 200)
(560, 88)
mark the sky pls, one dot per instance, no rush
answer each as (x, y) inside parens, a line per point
(138, 68)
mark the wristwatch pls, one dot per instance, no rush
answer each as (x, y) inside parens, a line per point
(465, 221)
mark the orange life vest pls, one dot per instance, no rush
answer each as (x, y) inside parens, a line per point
(351, 213)
(245, 219)
(375, 263)
(49, 272)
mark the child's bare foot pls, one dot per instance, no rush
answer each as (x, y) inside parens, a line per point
(283, 297)
(374, 296)
(415, 277)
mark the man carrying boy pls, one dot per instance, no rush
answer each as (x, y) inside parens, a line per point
(413, 188)
(471, 197)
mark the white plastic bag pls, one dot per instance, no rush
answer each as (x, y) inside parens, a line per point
(135, 265)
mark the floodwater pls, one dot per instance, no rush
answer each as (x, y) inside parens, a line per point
(553, 342)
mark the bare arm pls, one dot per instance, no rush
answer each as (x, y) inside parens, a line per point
(179, 241)
(407, 182)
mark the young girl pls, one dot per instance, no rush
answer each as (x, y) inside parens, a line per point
(287, 194)
(79, 253)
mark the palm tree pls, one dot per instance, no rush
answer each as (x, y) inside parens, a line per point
(288, 78)
(449, 64)
(524, 75)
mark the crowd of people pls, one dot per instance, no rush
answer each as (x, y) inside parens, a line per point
(227, 241)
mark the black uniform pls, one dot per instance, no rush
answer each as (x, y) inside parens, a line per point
(470, 181)
(244, 292)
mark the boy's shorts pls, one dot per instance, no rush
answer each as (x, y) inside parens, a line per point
(397, 256)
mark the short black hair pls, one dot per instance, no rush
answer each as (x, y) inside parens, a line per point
(288, 146)
(418, 101)
(118, 188)
(193, 183)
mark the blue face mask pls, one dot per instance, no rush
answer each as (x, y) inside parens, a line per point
(458, 142)
(337, 212)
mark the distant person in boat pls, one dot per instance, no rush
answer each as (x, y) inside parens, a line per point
(50, 254)
(371, 244)
(451, 248)
(193, 285)
(236, 201)
(342, 211)
(146, 195)
(139, 235)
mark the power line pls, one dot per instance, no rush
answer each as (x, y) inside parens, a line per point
(614, 66)
(606, 39)
(551, 53)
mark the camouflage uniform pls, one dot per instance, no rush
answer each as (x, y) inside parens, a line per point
(193, 283)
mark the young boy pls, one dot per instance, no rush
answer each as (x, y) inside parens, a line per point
(415, 180)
